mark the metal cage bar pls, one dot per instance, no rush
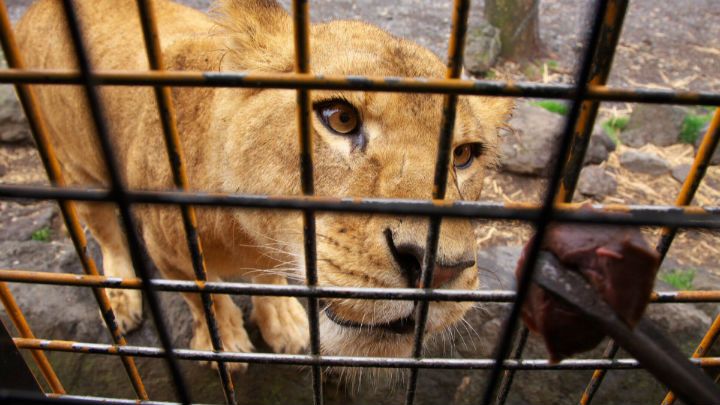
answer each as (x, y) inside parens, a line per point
(118, 191)
(409, 294)
(360, 83)
(348, 361)
(523, 285)
(175, 153)
(600, 70)
(301, 27)
(456, 49)
(22, 326)
(67, 208)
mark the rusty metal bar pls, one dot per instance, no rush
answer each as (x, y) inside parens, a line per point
(23, 327)
(456, 49)
(360, 83)
(67, 208)
(599, 72)
(118, 191)
(349, 361)
(429, 294)
(168, 119)
(523, 285)
(619, 214)
(301, 31)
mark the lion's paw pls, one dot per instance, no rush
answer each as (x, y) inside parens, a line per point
(283, 323)
(127, 306)
(234, 339)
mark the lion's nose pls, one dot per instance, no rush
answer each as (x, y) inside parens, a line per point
(409, 258)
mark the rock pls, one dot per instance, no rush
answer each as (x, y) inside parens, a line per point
(13, 125)
(644, 162)
(596, 182)
(599, 147)
(482, 48)
(655, 124)
(531, 146)
(680, 172)
(18, 221)
(715, 160)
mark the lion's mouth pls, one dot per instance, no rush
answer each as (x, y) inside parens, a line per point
(400, 326)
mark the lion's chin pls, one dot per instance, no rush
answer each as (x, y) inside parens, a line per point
(339, 340)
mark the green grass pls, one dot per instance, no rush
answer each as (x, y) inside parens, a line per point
(691, 127)
(553, 106)
(682, 279)
(613, 126)
(41, 235)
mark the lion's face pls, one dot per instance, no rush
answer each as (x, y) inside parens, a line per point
(372, 144)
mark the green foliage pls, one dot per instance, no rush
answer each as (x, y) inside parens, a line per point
(691, 127)
(613, 126)
(552, 64)
(553, 106)
(41, 235)
(682, 279)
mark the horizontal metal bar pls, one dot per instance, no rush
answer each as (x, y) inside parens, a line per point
(24, 397)
(359, 83)
(222, 287)
(642, 215)
(350, 361)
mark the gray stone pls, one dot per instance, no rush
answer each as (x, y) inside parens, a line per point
(599, 147)
(19, 221)
(531, 146)
(680, 172)
(715, 160)
(596, 182)
(655, 124)
(644, 162)
(13, 125)
(482, 47)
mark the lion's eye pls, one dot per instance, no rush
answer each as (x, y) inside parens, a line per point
(339, 116)
(464, 155)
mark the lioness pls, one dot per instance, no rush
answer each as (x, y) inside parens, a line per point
(244, 141)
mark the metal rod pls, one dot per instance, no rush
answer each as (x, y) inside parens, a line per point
(18, 319)
(347, 361)
(600, 70)
(118, 192)
(47, 154)
(359, 83)
(168, 119)
(598, 375)
(523, 284)
(408, 294)
(618, 214)
(301, 31)
(456, 49)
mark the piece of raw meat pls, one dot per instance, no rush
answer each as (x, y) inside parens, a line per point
(616, 261)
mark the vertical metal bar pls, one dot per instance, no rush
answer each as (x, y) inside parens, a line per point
(602, 63)
(67, 208)
(119, 195)
(168, 119)
(598, 375)
(546, 212)
(22, 326)
(456, 49)
(301, 26)
(687, 193)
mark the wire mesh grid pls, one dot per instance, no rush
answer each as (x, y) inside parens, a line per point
(584, 96)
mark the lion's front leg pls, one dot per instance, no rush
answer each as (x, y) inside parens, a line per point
(282, 321)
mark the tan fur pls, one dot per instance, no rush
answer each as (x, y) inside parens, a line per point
(245, 141)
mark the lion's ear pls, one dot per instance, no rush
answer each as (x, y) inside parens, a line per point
(259, 35)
